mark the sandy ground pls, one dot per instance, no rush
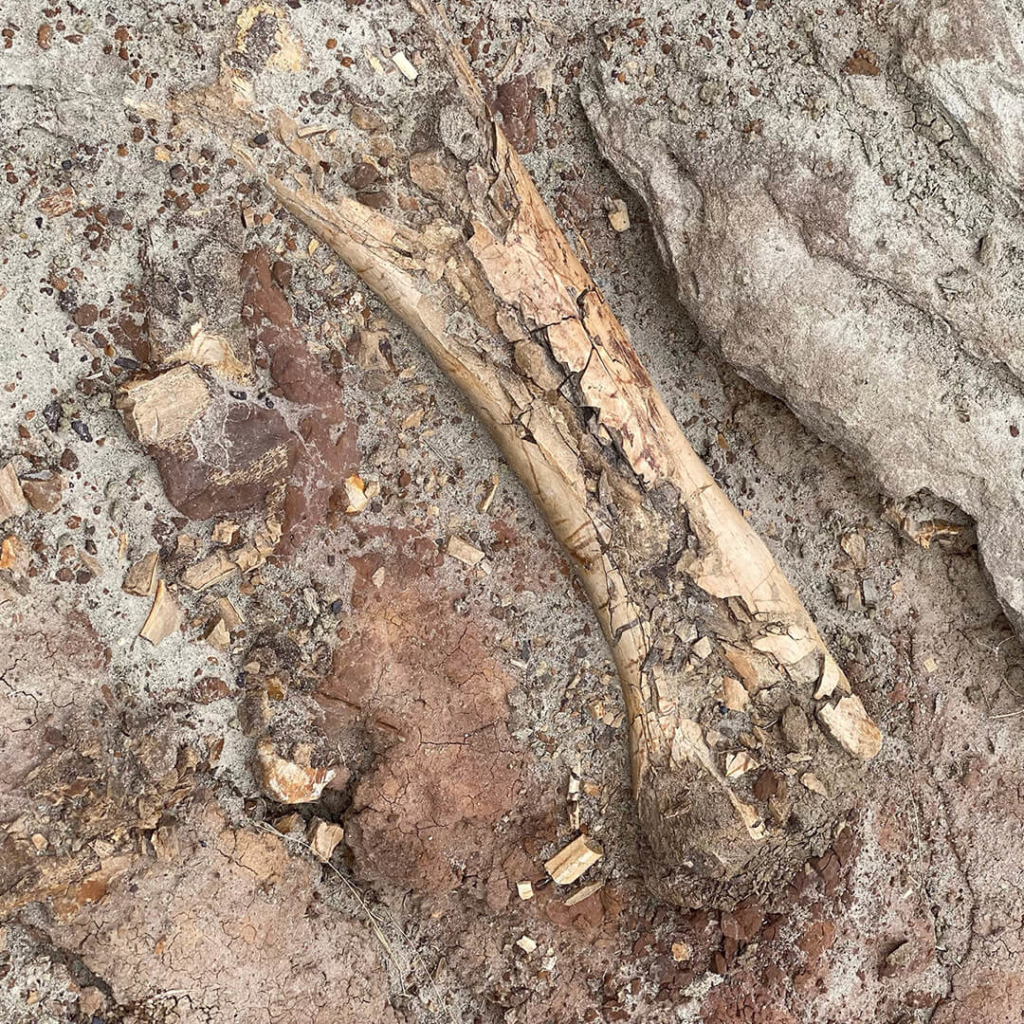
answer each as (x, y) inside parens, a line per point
(145, 873)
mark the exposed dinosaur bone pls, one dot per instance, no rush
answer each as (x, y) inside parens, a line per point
(688, 596)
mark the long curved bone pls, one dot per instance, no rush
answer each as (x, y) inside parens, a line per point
(743, 733)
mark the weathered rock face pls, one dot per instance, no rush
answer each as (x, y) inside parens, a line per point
(837, 196)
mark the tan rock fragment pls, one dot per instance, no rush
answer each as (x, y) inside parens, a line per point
(355, 490)
(290, 824)
(702, 648)
(225, 532)
(323, 838)
(618, 216)
(734, 695)
(229, 614)
(14, 555)
(210, 570)
(165, 616)
(832, 679)
(854, 545)
(813, 783)
(848, 724)
(219, 637)
(584, 892)
(464, 552)
(164, 407)
(738, 764)
(744, 666)
(209, 348)
(166, 844)
(788, 649)
(573, 860)
(287, 781)
(12, 498)
(404, 65)
(525, 890)
(140, 579)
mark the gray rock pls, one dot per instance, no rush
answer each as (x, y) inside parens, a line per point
(845, 228)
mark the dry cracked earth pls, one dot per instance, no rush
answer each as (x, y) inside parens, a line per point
(296, 690)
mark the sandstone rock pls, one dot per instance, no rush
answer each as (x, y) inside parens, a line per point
(325, 442)
(848, 237)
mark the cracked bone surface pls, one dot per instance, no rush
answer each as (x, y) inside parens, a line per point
(690, 599)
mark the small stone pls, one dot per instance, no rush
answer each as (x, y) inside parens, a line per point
(365, 119)
(464, 551)
(853, 544)
(526, 944)
(165, 616)
(286, 781)
(795, 729)
(56, 204)
(848, 724)
(573, 860)
(140, 579)
(869, 591)
(681, 952)
(219, 637)
(12, 498)
(525, 890)
(734, 695)
(161, 408)
(738, 764)
(324, 837)
(290, 824)
(404, 65)
(225, 532)
(618, 216)
(584, 892)
(702, 648)
(813, 783)
(44, 493)
(832, 678)
(355, 490)
(14, 556)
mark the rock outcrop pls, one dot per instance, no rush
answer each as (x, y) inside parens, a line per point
(838, 198)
